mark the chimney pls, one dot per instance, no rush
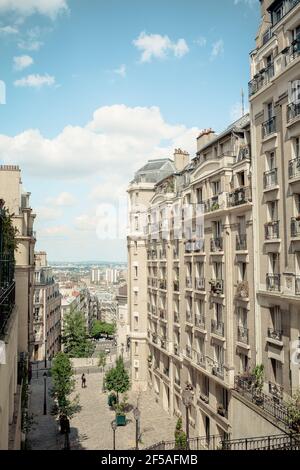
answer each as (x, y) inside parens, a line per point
(181, 159)
(205, 136)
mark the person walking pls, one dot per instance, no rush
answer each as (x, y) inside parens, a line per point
(83, 381)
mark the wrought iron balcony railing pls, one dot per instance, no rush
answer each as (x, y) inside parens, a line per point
(273, 282)
(294, 168)
(189, 317)
(272, 230)
(200, 283)
(211, 204)
(261, 79)
(293, 110)
(270, 179)
(189, 247)
(269, 127)
(243, 334)
(275, 334)
(217, 328)
(200, 321)
(216, 244)
(241, 242)
(295, 227)
(239, 196)
(218, 370)
(217, 286)
(276, 390)
(199, 245)
(293, 51)
(7, 290)
(163, 284)
(200, 358)
(189, 282)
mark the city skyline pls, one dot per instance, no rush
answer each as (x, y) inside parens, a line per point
(95, 102)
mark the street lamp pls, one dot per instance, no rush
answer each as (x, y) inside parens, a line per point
(187, 398)
(45, 392)
(45, 353)
(114, 427)
(136, 414)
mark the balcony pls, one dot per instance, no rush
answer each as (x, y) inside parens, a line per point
(292, 52)
(7, 290)
(188, 352)
(163, 342)
(163, 314)
(294, 168)
(295, 227)
(267, 36)
(243, 335)
(270, 179)
(269, 127)
(200, 321)
(176, 286)
(163, 284)
(189, 282)
(261, 79)
(211, 204)
(217, 286)
(276, 390)
(217, 328)
(200, 283)
(273, 282)
(199, 245)
(218, 370)
(297, 285)
(239, 196)
(272, 230)
(200, 358)
(189, 317)
(216, 244)
(242, 290)
(275, 334)
(244, 154)
(154, 338)
(293, 111)
(189, 247)
(286, 7)
(241, 242)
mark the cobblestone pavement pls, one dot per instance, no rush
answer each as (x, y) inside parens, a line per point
(43, 434)
(91, 428)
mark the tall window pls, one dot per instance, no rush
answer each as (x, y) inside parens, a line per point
(216, 187)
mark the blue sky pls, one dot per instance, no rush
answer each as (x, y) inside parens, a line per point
(94, 88)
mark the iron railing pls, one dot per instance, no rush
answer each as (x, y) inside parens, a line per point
(7, 290)
(273, 282)
(216, 244)
(200, 283)
(200, 321)
(196, 443)
(275, 442)
(243, 335)
(269, 127)
(270, 178)
(261, 79)
(293, 110)
(272, 230)
(275, 334)
(217, 286)
(295, 227)
(294, 168)
(239, 196)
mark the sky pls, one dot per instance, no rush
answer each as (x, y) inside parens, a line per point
(92, 89)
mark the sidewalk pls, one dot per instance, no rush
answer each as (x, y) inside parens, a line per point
(44, 431)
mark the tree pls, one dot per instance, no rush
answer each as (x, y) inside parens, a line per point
(63, 385)
(100, 328)
(102, 360)
(117, 379)
(180, 436)
(294, 411)
(75, 339)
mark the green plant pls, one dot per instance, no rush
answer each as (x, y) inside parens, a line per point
(102, 360)
(294, 411)
(180, 436)
(117, 379)
(258, 372)
(9, 232)
(63, 385)
(102, 328)
(75, 338)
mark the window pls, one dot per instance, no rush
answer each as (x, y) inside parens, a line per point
(271, 161)
(294, 91)
(217, 229)
(242, 317)
(199, 195)
(135, 272)
(241, 178)
(244, 363)
(219, 354)
(216, 187)
(273, 211)
(274, 263)
(218, 313)
(277, 371)
(135, 297)
(241, 225)
(136, 347)
(218, 270)
(242, 271)
(296, 147)
(276, 318)
(135, 247)
(270, 111)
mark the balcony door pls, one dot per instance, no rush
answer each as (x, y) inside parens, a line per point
(276, 318)
(219, 354)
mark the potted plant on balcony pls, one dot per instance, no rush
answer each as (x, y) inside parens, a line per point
(294, 412)
(258, 372)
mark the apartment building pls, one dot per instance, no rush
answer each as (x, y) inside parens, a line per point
(16, 301)
(46, 311)
(274, 92)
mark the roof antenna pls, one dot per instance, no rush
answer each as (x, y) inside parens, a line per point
(243, 103)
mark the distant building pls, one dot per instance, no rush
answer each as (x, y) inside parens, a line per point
(123, 330)
(96, 276)
(46, 311)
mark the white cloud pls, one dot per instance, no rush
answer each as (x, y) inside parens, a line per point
(8, 30)
(49, 8)
(22, 62)
(250, 3)
(63, 199)
(157, 46)
(118, 139)
(217, 49)
(54, 231)
(35, 81)
(121, 71)
(29, 45)
(46, 213)
(32, 39)
(86, 223)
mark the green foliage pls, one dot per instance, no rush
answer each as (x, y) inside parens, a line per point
(120, 408)
(117, 379)
(75, 339)
(180, 436)
(9, 232)
(102, 328)
(294, 411)
(102, 359)
(258, 372)
(63, 385)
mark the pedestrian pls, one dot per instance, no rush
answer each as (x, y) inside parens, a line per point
(83, 381)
